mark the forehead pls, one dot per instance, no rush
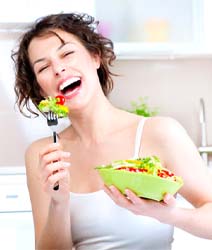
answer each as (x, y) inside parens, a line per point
(46, 41)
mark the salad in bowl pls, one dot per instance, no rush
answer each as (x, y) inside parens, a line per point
(146, 177)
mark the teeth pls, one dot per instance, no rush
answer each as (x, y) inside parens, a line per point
(69, 82)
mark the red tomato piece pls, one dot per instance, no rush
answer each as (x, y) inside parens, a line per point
(132, 169)
(60, 99)
(142, 170)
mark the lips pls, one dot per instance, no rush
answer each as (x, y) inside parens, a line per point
(70, 85)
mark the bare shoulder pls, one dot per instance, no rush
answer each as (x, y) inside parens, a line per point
(167, 138)
(164, 129)
(38, 143)
(32, 153)
(164, 122)
(33, 148)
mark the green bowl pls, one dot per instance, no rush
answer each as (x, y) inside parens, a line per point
(142, 184)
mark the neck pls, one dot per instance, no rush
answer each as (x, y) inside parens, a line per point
(95, 122)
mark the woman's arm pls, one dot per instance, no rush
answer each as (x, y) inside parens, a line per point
(179, 154)
(183, 158)
(51, 209)
(56, 233)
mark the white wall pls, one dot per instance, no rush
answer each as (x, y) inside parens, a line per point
(16, 132)
(174, 86)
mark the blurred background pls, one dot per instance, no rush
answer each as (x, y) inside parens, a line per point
(163, 50)
(164, 53)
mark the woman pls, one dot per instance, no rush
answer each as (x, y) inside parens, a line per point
(63, 54)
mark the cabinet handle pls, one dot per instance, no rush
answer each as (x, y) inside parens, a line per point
(11, 196)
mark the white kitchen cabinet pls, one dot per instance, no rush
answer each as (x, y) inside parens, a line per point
(25, 11)
(16, 231)
(156, 29)
(140, 29)
(16, 223)
(175, 21)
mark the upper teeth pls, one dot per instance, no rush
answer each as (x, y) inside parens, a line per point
(69, 82)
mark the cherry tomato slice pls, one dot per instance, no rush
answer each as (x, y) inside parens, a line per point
(60, 99)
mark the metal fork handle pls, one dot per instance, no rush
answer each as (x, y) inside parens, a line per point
(54, 137)
(56, 185)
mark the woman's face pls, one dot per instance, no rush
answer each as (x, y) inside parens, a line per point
(66, 69)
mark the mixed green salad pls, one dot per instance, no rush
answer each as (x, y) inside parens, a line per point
(148, 165)
(54, 104)
(146, 177)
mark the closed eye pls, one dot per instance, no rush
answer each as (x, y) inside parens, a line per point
(43, 68)
(68, 53)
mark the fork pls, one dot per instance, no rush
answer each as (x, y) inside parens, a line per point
(52, 122)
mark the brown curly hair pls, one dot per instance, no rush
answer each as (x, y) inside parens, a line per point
(84, 28)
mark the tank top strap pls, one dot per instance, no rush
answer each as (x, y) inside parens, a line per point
(138, 136)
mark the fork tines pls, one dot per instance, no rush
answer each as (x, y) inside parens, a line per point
(51, 118)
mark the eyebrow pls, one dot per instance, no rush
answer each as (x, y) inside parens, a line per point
(43, 58)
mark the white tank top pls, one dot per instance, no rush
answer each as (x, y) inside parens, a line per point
(99, 224)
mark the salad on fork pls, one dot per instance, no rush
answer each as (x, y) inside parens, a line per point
(53, 108)
(55, 105)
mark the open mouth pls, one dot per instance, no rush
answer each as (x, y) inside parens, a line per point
(70, 85)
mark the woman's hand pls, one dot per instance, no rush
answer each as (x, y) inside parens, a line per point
(140, 206)
(53, 168)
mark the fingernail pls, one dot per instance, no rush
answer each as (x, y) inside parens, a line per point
(66, 154)
(112, 188)
(167, 197)
(66, 164)
(127, 192)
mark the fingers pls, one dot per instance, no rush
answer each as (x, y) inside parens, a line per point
(49, 148)
(133, 197)
(169, 200)
(117, 196)
(54, 157)
(51, 154)
(59, 177)
(52, 168)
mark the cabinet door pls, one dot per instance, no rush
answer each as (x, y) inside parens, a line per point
(14, 195)
(23, 11)
(16, 231)
(175, 21)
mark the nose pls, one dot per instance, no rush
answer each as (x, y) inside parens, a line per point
(58, 69)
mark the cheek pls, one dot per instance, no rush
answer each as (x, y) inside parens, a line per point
(90, 61)
(40, 82)
(43, 93)
(45, 85)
